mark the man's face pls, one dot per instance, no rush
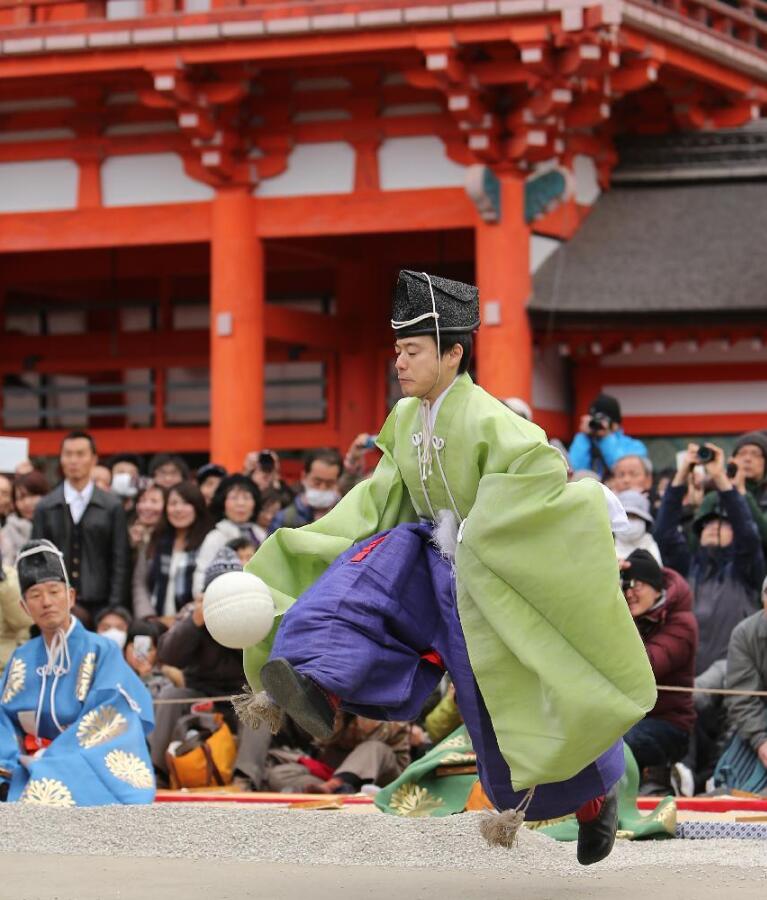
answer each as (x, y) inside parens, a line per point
(168, 475)
(417, 365)
(716, 533)
(209, 486)
(6, 496)
(77, 459)
(125, 467)
(49, 604)
(640, 597)
(750, 459)
(102, 477)
(322, 476)
(629, 475)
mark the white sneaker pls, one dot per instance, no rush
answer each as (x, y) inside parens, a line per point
(682, 780)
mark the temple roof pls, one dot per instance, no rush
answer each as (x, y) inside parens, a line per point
(661, 250)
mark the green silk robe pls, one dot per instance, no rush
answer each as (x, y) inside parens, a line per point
(554, 649)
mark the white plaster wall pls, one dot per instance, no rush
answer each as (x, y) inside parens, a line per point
(541, 249)
(125, 9)
(417, 162)
(39, 185)
(549, 380)
(312, 169)
(708, 399)
(135, 318)
(191, 316)
(586, 183)
(148, 178)
(67, 321)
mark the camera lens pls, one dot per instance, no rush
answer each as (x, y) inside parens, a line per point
(705, 454)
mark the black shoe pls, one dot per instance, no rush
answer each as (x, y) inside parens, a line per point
(596, 838)
(299, 697)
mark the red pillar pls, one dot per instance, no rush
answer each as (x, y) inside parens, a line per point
(357, 307)
(505, 341)
(236, 329)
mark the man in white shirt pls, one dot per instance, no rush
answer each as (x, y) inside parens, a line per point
(89, 526)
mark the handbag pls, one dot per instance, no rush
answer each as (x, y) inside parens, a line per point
(203, 753)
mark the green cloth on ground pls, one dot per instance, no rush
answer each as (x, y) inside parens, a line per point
(633, 825)
(420, 792)
(554, 649)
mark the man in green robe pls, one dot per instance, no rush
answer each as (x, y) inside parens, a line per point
(522, 597)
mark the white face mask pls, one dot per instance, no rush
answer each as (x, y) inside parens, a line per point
(634, 531)
(124, 485)
(116, 635)
(318, 499)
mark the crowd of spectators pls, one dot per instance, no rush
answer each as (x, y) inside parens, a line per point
(143, 539)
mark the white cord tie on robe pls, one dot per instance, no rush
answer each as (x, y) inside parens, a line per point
(58, 664)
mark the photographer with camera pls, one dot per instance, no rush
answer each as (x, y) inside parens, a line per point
(726, 569)
(661, 604)
(749, 461)
(601, 441)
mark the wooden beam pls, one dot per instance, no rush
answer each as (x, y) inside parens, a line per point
(279, 217)
(676, 424)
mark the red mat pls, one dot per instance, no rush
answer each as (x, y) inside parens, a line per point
(198, 796)
(709, 804)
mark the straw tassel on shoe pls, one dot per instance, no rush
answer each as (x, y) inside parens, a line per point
(501, 829)
(255, 710)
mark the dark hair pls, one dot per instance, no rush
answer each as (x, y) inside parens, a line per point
(328, 455)
(162, 459)
(34, 483)
(226, 486)
(120, 611)
(209, 470)
(79, 435)
(189, 493)
(465, 341)
(271, 496)
(151, 629)
(240, 543)
(125, 457)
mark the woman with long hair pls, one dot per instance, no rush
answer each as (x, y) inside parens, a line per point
(234, 508)
(28, 490)
(171, 556)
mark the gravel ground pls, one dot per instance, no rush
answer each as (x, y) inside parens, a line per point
(330, 838)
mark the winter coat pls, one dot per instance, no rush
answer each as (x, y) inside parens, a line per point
(13, 535)
(104, 567)
(725, 581)
(747, 671)
(595, 453)
(670, 636)
(14, 622)
(215, 539)
(207, 666)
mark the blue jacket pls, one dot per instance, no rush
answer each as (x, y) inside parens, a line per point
(613, 446)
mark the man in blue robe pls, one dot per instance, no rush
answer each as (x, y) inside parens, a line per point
(73, 715)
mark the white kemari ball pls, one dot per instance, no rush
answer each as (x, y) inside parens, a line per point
(238, 609)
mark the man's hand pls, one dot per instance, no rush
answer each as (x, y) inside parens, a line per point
(716, 469)
(738, 480)
(197, 616)
(762, 754)
(685, 465)
(583, 426)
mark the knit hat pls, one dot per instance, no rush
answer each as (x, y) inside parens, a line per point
(454, 306)
(226, 560)
(607, 406)
(637, 504)
(757, 438)
(709, 509)
(209, 470)
(644, 567)
(38, 562)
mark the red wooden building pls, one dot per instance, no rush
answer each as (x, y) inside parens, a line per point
(204, 204)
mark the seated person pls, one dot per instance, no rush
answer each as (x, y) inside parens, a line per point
(360, 751)
(73, 716)
(113, 622)
(141, 655)
(637, 533)
(661, 604)
(747, 716)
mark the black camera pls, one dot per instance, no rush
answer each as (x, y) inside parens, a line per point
(626, 583)
(266, 461)
(705, 455)
(599, 422)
